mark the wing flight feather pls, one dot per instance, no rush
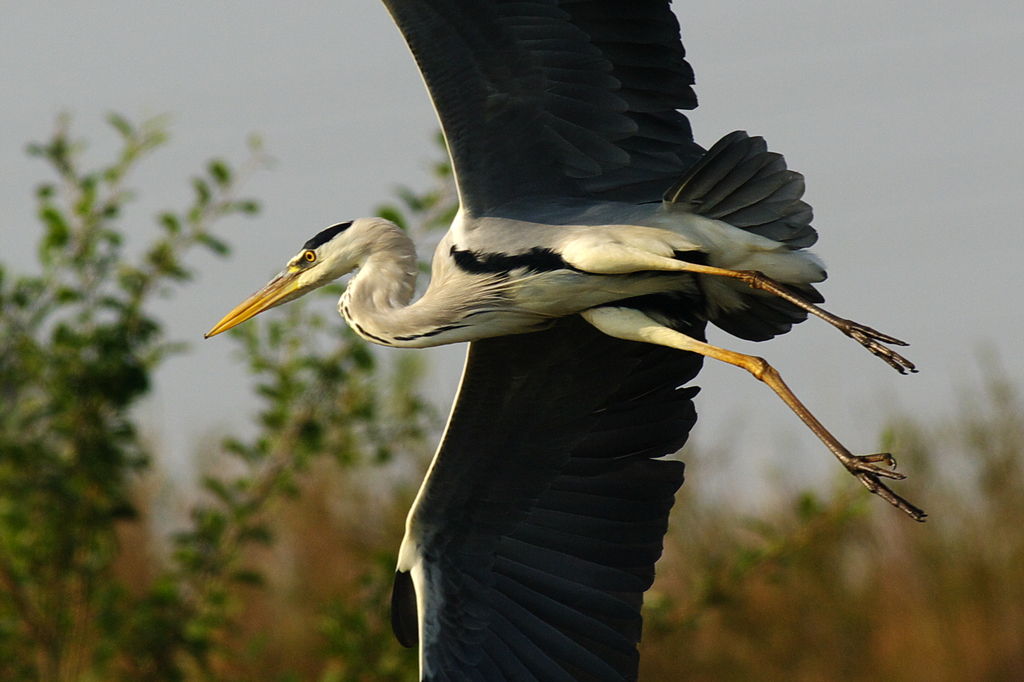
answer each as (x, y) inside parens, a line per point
(544, 511)
(555, 98)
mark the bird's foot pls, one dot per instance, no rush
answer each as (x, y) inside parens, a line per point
(880, 464)
(870, 469)
(874, 341)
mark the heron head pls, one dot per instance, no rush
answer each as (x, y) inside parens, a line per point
(324, 258)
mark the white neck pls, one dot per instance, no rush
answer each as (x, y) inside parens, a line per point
(377, 301)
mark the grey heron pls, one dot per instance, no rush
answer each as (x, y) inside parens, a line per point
(594, 242)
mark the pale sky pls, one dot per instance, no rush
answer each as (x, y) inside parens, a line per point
(906, 118)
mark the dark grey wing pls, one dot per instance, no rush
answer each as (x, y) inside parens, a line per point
(544, 511)
(555, 98)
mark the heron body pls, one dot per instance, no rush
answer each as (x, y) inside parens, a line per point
(515, 275)
(594, 242)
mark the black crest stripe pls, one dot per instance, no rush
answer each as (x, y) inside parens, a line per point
(326, 235)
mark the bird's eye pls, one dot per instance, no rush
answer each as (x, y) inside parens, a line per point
(309, 256)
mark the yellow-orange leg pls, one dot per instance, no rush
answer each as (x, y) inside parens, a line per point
(627, 323)
(612, 258)
(871, 339)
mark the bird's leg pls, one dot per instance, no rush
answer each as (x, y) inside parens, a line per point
(871, 339)
(627, 323)
(601, 256)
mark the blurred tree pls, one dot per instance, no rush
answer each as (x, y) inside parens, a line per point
(77, 349)
(78, 346)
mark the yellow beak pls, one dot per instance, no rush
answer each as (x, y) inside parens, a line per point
(278, 291)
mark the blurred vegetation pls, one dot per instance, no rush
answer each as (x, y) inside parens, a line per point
(843, 588)
(77, 350)
(86, 591)
(282, 570)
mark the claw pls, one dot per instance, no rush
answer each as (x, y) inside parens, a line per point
(884, 457)
(873, 340)
(867, 470)
(877, 335)
(867, 464)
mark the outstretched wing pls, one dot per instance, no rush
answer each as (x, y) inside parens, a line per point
(536, 531)
(555, 98)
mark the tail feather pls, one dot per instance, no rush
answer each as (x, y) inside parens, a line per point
(750, 194)
(765, 318)
(727, 166)
(740, 182)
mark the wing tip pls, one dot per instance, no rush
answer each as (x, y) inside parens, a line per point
(404, 620)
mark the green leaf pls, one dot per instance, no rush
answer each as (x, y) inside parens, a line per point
(213, 244)
(258, 534)
(170, 222)
(220, 173)
(58, 232)
(121, 124)
(65, 295)
(246, 576)
(203, 192)
(220, 490)
(247, 206)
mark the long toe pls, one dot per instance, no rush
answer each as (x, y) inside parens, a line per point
(869, 464)
(875, 486)
(873, 344)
